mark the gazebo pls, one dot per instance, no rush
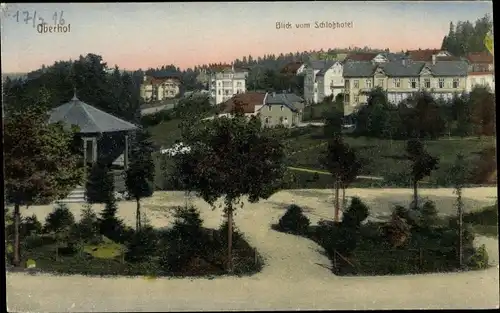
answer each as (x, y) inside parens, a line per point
(104, 137)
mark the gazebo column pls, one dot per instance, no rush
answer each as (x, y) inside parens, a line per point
(125, 155)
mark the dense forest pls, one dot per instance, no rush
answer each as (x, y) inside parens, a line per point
(465, 37)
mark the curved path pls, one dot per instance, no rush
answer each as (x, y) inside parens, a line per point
(295, 275)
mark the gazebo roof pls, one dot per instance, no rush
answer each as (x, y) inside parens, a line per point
(88, 118)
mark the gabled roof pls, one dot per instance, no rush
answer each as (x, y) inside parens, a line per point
(320, 64)
(398, 69)
(361, 56)
(326, 68)
(480, 58)
(292, 67)
(359, 69)
(247, 101)
(88, 118)
(449, 68)
(393, 57)
(408, 69)
(423, 55)
(153, 80)
(286, 99)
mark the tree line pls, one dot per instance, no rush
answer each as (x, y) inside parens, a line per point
(116, 93)
(465, 37)
(424, 116)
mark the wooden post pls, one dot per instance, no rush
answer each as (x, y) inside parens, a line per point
(125, 154)
(84, 158)
(94, 150)
(421, 258)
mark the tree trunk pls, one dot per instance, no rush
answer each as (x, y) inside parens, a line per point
(344, 204)
(138, 215)
(229, 263)
(415, 194)
(17, 243)
(337, 204)
(460, 228)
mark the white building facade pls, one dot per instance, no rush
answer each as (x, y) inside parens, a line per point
(330, 81)
(225, 84)
(481, 79)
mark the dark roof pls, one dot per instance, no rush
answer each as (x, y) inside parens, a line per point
(398, 69)
(407, 69)
(286, 99)
(359, 69)
(320, 64)
(423, 55)
(88, 118)
(326, 68)
(361, 56)
(247, 101)
(449, 68)
(292, 67)
(393, 57)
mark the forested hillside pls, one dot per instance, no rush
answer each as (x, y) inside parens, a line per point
(465, 37)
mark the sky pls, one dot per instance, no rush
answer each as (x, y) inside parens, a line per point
(144, 35)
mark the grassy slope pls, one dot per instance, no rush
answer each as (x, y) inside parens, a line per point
(382, 157)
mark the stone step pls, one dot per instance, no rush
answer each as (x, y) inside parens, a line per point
(71, 200)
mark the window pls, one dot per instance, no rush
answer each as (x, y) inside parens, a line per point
(456, 83)
(356, 84)
(380, 82)
(281, 108)
(347, 85)
(427, 83)
(267, 120)
(483, 81)
(369, 83)
(315, 90)
(220, 92)
(285, 121)
(356, 99)
(473, 81)
(269, 108)
(441, 83)
(413, 83)
(238, 84)
(397, 82)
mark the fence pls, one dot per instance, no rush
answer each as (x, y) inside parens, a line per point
(395, 261)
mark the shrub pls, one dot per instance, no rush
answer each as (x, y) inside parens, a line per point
(142, 245)
(355, 214)
(87, 229)
(223, 231)
(486, 216)
(479, 259)
(294, 221)
(428, 214)
(31, 225)
(185, 240)
(110, 225)
(100, 184)
(60, 219)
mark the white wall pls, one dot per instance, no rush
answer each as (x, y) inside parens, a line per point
(310, 85)
(486, 79)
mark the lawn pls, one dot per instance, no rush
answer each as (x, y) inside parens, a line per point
(381, 158)
(484, 222)
(384, 158)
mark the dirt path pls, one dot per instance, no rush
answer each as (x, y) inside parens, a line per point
(295, 275)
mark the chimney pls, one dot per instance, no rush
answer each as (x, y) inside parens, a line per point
(433, 59)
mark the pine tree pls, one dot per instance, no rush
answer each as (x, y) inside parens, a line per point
(140, 174)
